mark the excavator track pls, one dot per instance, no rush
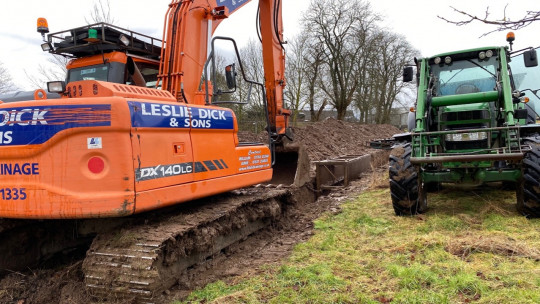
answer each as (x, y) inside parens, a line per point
(139, 262)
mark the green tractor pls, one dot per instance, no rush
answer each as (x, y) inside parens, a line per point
(471, 124)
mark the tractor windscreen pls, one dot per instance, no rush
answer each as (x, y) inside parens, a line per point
(465, 76)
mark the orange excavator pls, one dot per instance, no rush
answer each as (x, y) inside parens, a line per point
(138, 128)
(112, 148)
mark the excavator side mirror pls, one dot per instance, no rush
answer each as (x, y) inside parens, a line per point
(408, 73)
(530, 59)
(230, 76)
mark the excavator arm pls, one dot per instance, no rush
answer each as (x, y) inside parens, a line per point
(188, 30)
(274, 65)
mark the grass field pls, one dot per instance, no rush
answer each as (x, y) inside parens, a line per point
(471, 247)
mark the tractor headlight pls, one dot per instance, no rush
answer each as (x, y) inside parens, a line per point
(466, 136)
(482, 55)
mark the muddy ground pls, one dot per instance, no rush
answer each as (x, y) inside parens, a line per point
(60, 280)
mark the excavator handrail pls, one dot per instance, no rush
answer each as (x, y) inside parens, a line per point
(211, 58)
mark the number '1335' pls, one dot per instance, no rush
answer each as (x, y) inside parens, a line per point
(13, 193)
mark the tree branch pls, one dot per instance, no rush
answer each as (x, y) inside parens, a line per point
(503, 24)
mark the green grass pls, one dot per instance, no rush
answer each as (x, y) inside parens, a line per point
(471, 247)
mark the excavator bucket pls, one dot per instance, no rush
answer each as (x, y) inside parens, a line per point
(292, 166)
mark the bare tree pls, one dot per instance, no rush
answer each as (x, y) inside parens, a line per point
(315, 98)
(304, 65)
(503, 24)
(6, 83)
(55, 69)
(381, 68)
(394, 52)
(366, 92)
(339, 26)
(297, 75)
(101, 12)
(252, 61)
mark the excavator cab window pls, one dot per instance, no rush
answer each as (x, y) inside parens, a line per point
(111, 72)
(149, 72)
(95, 72)
(116, 72)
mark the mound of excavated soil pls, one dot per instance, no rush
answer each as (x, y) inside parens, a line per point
(332, 138)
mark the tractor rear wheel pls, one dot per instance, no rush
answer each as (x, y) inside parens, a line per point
(528, 201)
(406, 187)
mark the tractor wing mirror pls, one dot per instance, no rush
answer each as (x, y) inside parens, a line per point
(530, 58)
(230, 75)
(408, 74)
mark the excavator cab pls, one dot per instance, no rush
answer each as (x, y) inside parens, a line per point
(116, 67)
(105, 52)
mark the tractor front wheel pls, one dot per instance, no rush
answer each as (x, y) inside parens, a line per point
(528, 196)
(406, 187)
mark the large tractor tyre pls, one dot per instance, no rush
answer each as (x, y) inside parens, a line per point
(528, 195)
(406, 188)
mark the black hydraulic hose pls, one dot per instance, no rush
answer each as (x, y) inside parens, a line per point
(277, 5)
(184, 95)
(258, 23)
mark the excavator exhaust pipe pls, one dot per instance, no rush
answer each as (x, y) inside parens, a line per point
(292, 165)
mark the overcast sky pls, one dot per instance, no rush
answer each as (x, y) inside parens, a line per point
(415, 19)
